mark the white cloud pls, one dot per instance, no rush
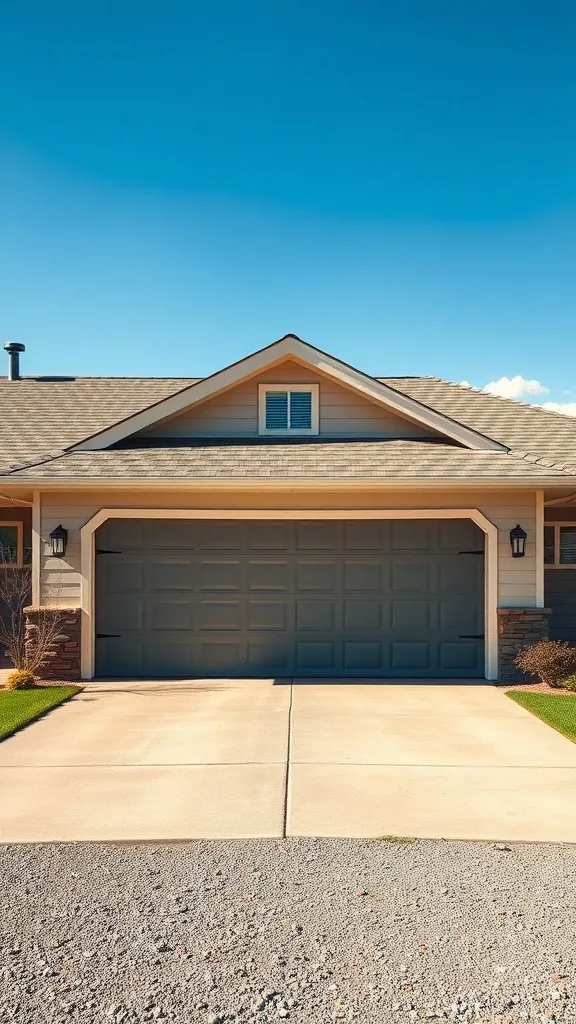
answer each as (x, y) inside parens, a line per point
(465, 384)
(568, 408)
(515, 387)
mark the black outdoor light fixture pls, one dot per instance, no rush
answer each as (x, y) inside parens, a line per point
(59, 538)
(518, 541)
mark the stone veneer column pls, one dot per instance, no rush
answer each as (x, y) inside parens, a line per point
(64, 661)
(517, 628)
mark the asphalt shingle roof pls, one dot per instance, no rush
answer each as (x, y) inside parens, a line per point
(522, 428)
(40, 418)
(231, 459)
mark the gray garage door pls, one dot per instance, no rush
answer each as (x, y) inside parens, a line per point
(363, 598)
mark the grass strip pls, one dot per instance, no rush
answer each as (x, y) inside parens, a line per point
(19, 707)
(559, 712)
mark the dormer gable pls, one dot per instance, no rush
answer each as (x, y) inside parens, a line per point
(345, 403)
(290, 400)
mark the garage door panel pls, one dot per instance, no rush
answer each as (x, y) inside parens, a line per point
(273, 536)
(167, 653)
(459, 616)
(459, 535)
(294, 598)
(215, 535)
(412, 534)
(412, 615)
(120, 616)
(122, 656)
(178, 534)
(128, 534)
(459, 574)
(363, 656)
(315, 575)
(364, 614)
(268, 614)
(413, 575)
(122, 575)
(167, 612)
(458, 657)
(364, 575)
(220, 574)
(411, 656)
(169, 573)
(367, 535)
(220, 656)
(316, 655)
(316, 615)
(319, 536)
(269, 657)
(218, 615)
(269, 575)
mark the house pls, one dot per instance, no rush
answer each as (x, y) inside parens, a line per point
(289, 515)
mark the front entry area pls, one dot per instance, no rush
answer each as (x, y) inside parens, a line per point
(310, 598)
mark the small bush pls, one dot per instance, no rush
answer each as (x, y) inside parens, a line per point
(570, 683)
(20, 679)
(551, 661)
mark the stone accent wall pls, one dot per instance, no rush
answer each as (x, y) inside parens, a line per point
(518, 627)
(64, 659)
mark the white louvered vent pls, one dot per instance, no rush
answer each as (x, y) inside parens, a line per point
(289, 408)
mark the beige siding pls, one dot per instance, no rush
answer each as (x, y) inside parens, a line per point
(516, 577)
(343, 413)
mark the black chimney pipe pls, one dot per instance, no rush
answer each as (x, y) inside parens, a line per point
(14, 348)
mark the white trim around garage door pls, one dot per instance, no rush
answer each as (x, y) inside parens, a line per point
(87, 536)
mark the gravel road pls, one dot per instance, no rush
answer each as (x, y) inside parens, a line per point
(304, 930)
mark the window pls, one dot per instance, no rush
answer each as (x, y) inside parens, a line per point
(560, 545)
(288, 409)
(11, 552)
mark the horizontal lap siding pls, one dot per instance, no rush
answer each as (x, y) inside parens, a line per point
(234, 413)
(516, 576)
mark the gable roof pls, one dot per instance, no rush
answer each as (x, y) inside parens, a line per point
(291, 347)
(43, 419)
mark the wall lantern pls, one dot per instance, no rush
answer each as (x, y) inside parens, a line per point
(59, 538)
(518, 541)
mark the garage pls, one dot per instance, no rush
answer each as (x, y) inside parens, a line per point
(310, 598)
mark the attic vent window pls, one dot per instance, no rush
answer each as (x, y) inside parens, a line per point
(288, 409)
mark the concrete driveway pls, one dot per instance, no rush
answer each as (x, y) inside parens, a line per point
(233, 758)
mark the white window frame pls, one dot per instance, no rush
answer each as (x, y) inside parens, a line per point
(264, 389)
(19, 526)
(557, 564)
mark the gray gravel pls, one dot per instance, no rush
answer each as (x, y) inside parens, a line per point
(297, 930)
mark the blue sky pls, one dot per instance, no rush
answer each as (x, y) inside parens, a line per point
(393, 181)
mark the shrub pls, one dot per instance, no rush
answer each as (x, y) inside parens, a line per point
(570, 683)
(21, 679)
(551, 661)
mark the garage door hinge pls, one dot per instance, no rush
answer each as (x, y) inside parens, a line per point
(108, 636)
(471, 636)
(106, 551)
(480, 552)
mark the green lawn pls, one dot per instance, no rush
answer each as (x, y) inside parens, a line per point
(557, 711)
(18, 707)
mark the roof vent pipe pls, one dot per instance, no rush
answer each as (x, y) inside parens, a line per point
(14, 348)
